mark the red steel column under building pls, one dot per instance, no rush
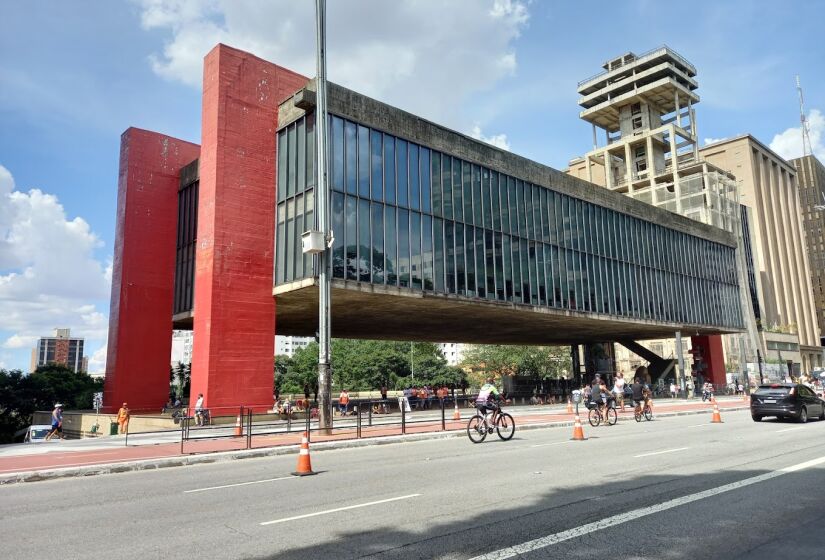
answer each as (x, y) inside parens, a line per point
(143, 271)
(234, 311)
(710, 349)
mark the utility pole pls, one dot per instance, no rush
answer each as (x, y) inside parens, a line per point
(324, 326)
(806, 129)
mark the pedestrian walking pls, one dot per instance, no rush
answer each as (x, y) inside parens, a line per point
(123, 418)
(343, 402)
(199, 410)
(673, 390)
(618, 389)
(57, 422)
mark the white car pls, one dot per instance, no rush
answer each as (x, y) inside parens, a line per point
(37, 433)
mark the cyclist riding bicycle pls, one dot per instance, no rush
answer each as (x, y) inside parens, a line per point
(487, 398)
(641, 394)
(599, 394)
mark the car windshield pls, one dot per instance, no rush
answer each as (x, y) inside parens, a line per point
(39, 433)
(773, 390)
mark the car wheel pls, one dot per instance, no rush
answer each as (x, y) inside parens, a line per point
(803, 415)
(756, 417)
(822, 416)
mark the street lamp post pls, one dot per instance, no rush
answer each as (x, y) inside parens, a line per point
(324, 325)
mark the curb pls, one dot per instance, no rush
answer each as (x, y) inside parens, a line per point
(223, 456)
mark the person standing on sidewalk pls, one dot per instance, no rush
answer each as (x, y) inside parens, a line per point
(618, 389)
(57, 422)
(343, 402)
(123, 418)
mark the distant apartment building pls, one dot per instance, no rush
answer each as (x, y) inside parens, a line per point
(181, 347)
(768, 185)
(453, 352)
(810, 174)
(288, 345)
(60, 349)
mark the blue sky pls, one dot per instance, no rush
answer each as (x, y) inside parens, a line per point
(75, 75)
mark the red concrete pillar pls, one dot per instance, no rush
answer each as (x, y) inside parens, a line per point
(709, 358)
(234, 312)
(143, 272)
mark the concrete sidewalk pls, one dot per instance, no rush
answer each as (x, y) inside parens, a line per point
(109, 455)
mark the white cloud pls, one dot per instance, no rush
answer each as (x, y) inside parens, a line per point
(97, 361)
(788, 144)
(426, 56)
(49, 276)
(497, 140)
(708, 141)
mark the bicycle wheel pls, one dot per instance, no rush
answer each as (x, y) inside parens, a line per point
(594, 417)
(637, 414)
(648, 413)
(612, 417)
(505, 426)
(476, 429)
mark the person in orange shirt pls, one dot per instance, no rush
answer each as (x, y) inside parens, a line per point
(343, 402)
(123, 418)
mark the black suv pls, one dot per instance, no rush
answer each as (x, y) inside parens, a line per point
(786, 400)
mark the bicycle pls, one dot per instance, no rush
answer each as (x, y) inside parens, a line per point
(644, 412)
(596, 416)
(478, 427)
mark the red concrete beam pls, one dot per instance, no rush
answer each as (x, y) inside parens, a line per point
(143, 273)
(234, 311)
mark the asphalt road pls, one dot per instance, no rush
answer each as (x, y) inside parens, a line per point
(673, 488)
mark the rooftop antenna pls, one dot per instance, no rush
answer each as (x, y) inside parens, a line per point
(806, 132)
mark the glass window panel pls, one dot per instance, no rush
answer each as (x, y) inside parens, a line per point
(504, 195)
(485, 198)
(521, 215)
(435, 183)
(401, 172)
(427, 251)
(310, 166)
(403, 248)
(528, 260)
(389, 169)
(470, 252)
(518, 286)
(415, 250)
(390, 246)
(514, 206)
(364, 244)
(481, 275)
(377, 243)
(376, 151)
(468, 192)
(363, 161)
(282, 165)
(537, 212)
(294, 216)
(558, 300)
(507, 255)
(449, 242)
(565, 280)
(499, 264)
(438, 250)
(458, 208)
(301, 181)
(338, 243)
(478, 218)
(426, 180)
(337, 158)
(351, 151)
(490, 264)
(415, 186)
(280, 268)
(447, 185)
(496, 208)
(292, 154)
(309, 224)
(543, 254)
(460, 264)
(351, 238)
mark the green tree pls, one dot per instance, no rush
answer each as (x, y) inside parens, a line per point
(536, 362)
(183, 380)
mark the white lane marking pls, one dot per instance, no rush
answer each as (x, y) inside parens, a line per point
(789, 429)
(240, 484)
(661, 452)
(285, 519)
(554, 443)
(556, 538)
(699, 425)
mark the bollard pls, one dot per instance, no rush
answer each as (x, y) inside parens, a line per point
(182, 425)
(249, 429)
(358, 423)
(309, 419)
(369, 413)
(288, 421)
(403, 419)
(126, 442)
(443, 419)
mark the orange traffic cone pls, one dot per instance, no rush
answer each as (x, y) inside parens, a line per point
(304, 464)
(456, 412)
(578, 432)
(238, 427)
(569, 406)
(717, 418)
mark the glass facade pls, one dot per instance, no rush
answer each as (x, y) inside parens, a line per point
(430, 221)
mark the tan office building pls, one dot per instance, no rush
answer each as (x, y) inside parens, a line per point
(768, 184)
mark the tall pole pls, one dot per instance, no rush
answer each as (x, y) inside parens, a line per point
(680, 372)
(324, 326)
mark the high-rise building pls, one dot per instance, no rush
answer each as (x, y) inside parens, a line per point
(60, 349)
(181, 347)
(768, 184)
(288, 345)
(810, 174)
(453, 352)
